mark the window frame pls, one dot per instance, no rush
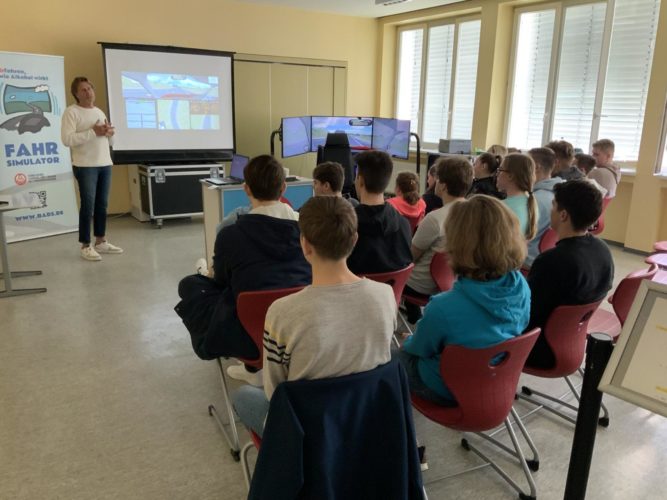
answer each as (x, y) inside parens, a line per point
(556, 55)
(426, 26)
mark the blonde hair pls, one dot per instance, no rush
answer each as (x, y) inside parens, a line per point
(408, 183)
(484, 240)
(522, 169)
(497, 150)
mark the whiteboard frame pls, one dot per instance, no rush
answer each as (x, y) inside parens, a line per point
(622, 356)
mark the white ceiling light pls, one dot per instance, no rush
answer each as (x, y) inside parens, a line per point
(389, 2)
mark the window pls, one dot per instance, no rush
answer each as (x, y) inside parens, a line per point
(581, 72)
(437, 76)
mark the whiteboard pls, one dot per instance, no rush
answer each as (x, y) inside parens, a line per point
(637, 369)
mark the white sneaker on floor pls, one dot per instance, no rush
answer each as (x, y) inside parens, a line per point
(201, 267)
(239, 372)
(89, 253)
(106, 247)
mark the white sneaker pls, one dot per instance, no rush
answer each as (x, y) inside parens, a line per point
(106, 247)
(89, 253)
(239, 372)
(201, 267)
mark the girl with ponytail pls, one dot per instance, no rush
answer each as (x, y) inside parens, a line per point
(516, 176)
(485, 168)
(407, 201)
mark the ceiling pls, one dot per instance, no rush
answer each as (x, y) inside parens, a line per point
(358, 8)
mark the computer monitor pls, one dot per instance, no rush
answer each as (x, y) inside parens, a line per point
(238, 164)
(295, 135)
(392, 136)
(359, 130)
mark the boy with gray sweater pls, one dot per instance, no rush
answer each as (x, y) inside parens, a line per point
(339, 325)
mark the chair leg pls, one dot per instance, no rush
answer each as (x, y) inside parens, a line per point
(244, 463)
(232, 436)
(517, 452)
(405, 322)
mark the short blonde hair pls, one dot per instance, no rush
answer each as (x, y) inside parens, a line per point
(606, 145)
(497, 150)
(484, 240)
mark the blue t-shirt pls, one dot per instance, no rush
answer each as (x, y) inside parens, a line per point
(519, 205)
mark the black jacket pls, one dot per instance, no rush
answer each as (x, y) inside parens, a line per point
(384, 240)
(486, 185)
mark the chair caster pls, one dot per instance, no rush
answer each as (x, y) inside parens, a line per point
(465, 444)
(523, 496)
(533, 465)
(526, 390)
(236, 455)
(210, 410)
(603, 421)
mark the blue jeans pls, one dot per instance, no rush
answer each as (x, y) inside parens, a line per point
(417, 386)
(252, 407)
(94, 185)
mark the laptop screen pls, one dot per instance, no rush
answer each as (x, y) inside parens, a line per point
(238, 164)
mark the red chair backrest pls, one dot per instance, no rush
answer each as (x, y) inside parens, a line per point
(485, 392)
(565, 331)
(441, 272)
(397, 280)
(548, 240)
(598, 227)
(251, 309)
(625, 292)
(414, 221)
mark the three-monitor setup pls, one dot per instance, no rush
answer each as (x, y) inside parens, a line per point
(303, 134)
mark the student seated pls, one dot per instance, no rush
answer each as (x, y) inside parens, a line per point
(605, 172)
(260, 251)
(485, 168)
(407, 201)
(516, 177)
(489, 303)
(584, 162)
(328, 180)
(384, 235)
(454, 177)
(579, 270)
(564, 157)
(543, 190)
(432, 200)
(339, 325)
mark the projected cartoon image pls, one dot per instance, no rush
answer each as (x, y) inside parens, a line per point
(32, 101)
(171, 102)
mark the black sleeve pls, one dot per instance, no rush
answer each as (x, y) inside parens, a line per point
(221, 257)
(544, 290)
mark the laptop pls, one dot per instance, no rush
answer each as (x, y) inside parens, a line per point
(235, 172)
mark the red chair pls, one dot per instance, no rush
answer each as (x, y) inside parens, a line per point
(548, 240)
(565, 331)
(621, 300)
(660, 247)
(414, 222)
(485, 392)
(598, 227)
(397, 280)
(251, 309)
(658, 259)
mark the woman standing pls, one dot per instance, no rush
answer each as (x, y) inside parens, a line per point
(87, 132)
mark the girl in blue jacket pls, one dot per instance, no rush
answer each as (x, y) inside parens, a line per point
(488, 304)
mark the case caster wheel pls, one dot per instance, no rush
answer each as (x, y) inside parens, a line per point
(523, 496)
(158, 223)
(210, 410)
(603, 421)
(465, 444)
(533, 465)
(526, 390)
(236, 455)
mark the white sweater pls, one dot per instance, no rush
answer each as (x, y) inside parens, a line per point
(88, 150)
(328, 331)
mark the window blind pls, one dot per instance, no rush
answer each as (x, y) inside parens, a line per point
(409, 76)
(465, 81)
(438, 82)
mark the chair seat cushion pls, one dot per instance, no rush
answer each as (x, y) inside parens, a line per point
(660, 246)
(605, 322)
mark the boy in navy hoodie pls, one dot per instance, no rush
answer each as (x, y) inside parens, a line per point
(260, 251)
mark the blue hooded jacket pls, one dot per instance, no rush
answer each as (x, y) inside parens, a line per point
(474, 314)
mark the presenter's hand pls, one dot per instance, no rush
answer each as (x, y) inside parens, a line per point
(100, 129)
(111, 130)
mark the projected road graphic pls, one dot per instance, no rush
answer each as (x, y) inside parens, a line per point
(171, 102)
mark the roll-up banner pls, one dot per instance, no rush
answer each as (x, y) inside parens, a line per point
(33, 161)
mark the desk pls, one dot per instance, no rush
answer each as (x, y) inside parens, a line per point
(220, 200)
(7, 204)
